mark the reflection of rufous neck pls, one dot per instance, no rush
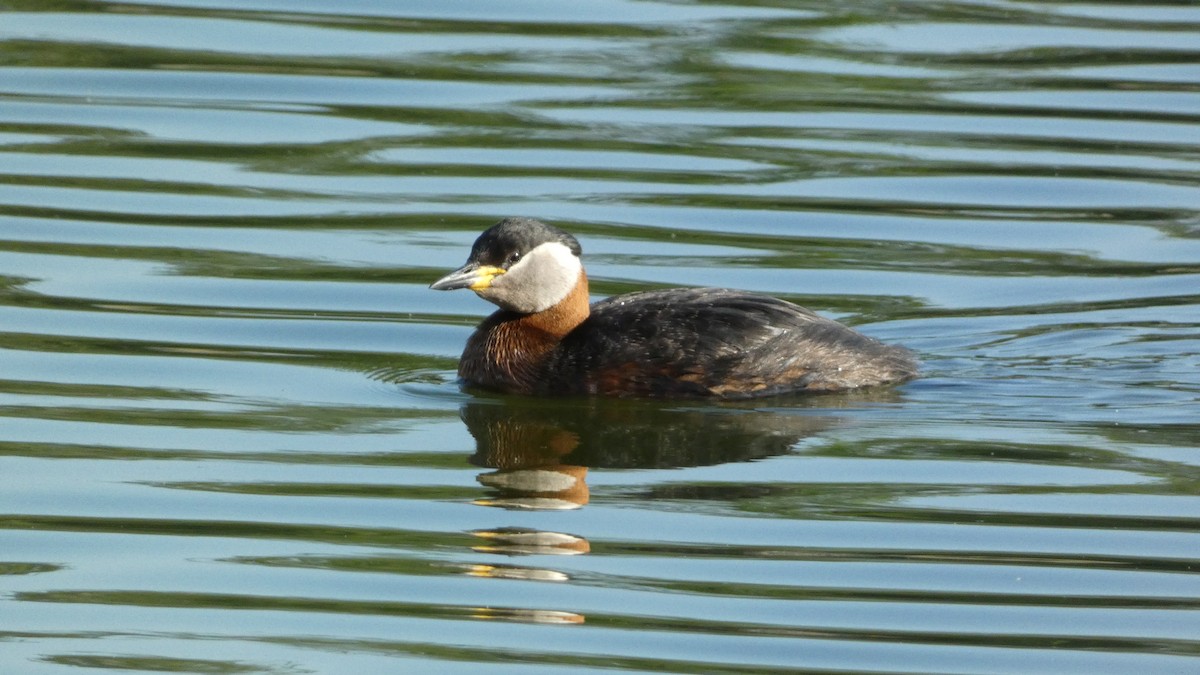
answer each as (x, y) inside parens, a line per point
(551, 487)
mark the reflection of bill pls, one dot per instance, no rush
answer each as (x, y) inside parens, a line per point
(522, 541)
(550, 616)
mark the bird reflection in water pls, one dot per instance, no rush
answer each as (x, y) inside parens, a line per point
(540, 450)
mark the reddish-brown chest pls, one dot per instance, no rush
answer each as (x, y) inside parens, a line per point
(508, 351)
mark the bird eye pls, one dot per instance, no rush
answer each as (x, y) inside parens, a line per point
(513, 258)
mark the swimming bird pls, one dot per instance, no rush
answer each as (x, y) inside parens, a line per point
(547, 339)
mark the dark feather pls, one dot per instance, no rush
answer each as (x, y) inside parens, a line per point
(709, 341)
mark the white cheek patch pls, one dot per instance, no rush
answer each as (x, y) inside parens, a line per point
(539, 281)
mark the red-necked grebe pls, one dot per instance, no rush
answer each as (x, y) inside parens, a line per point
(681, 343)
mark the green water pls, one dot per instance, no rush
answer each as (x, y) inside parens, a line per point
(230, 435)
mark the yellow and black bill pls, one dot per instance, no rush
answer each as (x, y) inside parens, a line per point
(472, 275)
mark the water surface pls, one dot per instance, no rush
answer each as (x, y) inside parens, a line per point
(232, 440)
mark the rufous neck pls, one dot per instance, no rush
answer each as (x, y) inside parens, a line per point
(563, 317)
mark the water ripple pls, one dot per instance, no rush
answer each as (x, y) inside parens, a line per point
(228, 398)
